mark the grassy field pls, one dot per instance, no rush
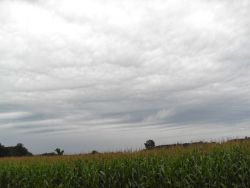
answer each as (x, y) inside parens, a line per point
(209, 165)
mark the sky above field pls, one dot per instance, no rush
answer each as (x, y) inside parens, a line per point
(110, 74)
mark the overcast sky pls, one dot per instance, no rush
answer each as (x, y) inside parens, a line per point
(110, 74)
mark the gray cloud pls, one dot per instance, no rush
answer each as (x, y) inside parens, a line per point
(108, 71)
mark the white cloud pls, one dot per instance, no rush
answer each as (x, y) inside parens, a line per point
(13, 115)
(102, 65)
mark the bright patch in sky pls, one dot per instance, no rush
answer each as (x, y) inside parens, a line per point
(203, 19)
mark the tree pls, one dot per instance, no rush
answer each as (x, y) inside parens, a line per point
(3, 151)
(20, 150)
(94, 152)
(59, 151)
(149, 144)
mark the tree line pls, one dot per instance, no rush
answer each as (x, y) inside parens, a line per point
(19, 150)
(10, 151)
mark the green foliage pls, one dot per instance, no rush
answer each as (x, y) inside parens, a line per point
(18, 150)
(200, 166)
(59, 151)
(149, 144)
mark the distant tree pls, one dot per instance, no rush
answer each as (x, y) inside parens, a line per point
(59, 151)
(149, 144)
(94, 152)
(3, 151)
(18, 150)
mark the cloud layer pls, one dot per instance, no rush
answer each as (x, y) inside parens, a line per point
(110, 74)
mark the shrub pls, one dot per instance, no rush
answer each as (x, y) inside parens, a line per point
(149, 144)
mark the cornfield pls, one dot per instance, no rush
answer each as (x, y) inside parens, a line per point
(212, 165)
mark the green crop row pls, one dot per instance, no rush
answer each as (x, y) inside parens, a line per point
(216, 166)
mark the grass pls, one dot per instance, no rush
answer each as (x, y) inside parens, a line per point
(210, 165)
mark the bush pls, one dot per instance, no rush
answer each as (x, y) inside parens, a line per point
(149, 144)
